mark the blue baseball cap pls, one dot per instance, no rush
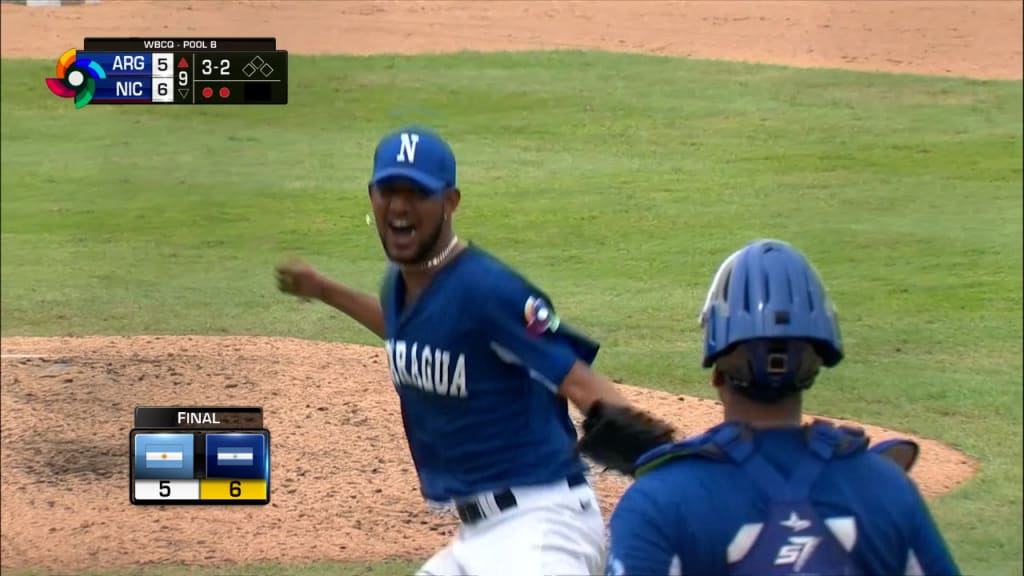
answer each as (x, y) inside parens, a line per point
(419, 154)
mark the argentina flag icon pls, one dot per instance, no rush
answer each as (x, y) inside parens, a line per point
(164, 456)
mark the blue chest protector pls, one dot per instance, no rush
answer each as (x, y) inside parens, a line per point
(792, 539)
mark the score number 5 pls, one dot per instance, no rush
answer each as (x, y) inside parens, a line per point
(209, 67)
(235, 489)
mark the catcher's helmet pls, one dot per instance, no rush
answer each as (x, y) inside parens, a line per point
(769, 296)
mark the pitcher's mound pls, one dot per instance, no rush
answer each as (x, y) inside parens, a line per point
(342, 486)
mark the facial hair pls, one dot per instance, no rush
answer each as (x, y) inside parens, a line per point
(426, 248)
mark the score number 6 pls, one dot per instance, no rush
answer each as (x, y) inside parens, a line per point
(208, 67)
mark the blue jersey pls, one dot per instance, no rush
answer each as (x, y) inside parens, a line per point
(477, 360)
(700, 515)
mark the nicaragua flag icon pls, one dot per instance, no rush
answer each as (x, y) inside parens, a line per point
(236, 455)
(164, 456)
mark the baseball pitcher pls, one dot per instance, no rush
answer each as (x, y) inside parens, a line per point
(761, 493)
(484, 369)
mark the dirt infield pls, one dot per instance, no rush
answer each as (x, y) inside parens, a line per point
(66, 418)
(67, 413)
(979, 39)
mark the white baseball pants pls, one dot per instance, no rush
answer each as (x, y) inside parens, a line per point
(554, 530)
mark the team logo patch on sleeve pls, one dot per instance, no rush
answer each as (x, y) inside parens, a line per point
(539, 316)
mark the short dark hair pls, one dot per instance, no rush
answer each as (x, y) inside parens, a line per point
(736, 369)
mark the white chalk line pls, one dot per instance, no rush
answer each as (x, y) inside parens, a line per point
(6, 356)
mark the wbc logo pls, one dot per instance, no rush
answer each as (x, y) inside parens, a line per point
(539, 316)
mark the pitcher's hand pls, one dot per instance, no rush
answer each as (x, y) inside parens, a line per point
(297, 278)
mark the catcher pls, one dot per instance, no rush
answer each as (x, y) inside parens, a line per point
(762, 493)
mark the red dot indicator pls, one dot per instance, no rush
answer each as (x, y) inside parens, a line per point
(224, 92)
(207, 92)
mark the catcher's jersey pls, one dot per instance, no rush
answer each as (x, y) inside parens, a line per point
(697, 515)
(477, 360)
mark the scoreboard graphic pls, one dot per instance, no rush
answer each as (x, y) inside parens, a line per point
(173, 71)
(211, 455)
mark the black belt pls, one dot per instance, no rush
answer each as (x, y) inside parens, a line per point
(470, 512)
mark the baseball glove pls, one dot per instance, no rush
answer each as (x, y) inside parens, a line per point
(615, 436)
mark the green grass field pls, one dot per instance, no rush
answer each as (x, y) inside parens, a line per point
(617, 182)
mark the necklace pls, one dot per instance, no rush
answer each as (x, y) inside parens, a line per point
(440, 258)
